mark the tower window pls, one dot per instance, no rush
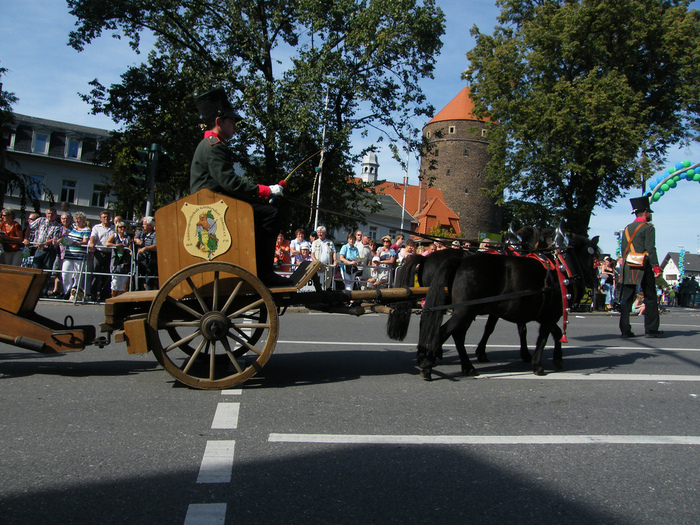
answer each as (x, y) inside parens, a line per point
(466, 191)
(465, 153)
(483, 132)
(427, 134)
(448, 173)
(437, 152)
(452, 130)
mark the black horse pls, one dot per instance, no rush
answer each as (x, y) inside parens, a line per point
(423, 270)
(530, 291)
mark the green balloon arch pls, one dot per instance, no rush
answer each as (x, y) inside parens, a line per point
(681, 171)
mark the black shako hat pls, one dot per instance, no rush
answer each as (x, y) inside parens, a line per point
(214, 104)
(640, 204)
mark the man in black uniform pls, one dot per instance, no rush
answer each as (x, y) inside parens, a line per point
(643, 239)
(212, 167)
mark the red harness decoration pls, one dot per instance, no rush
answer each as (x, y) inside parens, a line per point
(552, 266)
(564, 292)
(558, 265)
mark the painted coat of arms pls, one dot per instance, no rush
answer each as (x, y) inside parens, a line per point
(206, 235)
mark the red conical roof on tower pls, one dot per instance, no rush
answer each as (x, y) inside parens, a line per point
(459, 108)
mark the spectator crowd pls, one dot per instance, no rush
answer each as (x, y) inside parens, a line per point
(684, 293)
(84, 262)
(93, 262)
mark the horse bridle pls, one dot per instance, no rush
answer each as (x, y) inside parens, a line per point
(575, 281)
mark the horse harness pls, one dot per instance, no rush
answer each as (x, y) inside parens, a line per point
(557, 266)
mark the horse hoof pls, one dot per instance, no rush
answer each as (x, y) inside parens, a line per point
(482, 358)
(426, 375)
(539, 372)
(558, 364)
(470, 373)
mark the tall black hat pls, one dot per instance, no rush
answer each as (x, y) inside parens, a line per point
(214, 104)
(640, 204)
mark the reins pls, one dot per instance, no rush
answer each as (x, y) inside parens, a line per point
(558, 266)
(484, 300)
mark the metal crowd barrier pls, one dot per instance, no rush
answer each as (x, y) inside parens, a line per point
(84, 275)
(332, 277)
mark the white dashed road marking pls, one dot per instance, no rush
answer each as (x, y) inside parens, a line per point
(217, 463)
(206, 514)
(232, 392)
(226, 416)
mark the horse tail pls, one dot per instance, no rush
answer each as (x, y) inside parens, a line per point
(431, 317)
(400, 315)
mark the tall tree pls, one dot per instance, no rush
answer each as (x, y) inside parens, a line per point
(279, 59)
(587, 95)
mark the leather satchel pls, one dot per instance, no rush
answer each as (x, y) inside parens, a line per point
(634, 259)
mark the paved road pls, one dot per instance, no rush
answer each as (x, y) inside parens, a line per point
(338, 428)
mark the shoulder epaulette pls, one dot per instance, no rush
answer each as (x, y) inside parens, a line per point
(213, 139)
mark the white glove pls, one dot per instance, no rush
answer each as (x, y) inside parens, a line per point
(276, 190)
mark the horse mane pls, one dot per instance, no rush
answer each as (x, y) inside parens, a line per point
(536, 238)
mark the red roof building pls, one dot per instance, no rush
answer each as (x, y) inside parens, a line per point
(426, 205)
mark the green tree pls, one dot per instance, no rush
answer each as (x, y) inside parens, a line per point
(439, 231)
(278, 59)
(588, 96)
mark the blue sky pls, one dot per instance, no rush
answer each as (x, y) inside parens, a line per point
(47, 75)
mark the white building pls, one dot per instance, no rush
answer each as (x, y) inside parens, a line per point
(670, 267)
(59, 157)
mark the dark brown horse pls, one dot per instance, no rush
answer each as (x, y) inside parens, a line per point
(422, 270)
(528, 291)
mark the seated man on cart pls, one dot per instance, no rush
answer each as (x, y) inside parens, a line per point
(212, 168)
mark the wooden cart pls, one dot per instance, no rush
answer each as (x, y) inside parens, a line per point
(21, 326)
(212, 323)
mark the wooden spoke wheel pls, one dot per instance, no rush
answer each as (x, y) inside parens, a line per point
(213, 325)
(250, 335)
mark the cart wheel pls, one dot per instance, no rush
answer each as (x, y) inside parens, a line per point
(251, 335)
(216, 310)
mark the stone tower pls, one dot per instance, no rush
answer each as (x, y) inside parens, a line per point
(458, 148)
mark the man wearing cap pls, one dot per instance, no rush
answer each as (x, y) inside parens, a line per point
(378, 275)
(212, 167)
(642, 234)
